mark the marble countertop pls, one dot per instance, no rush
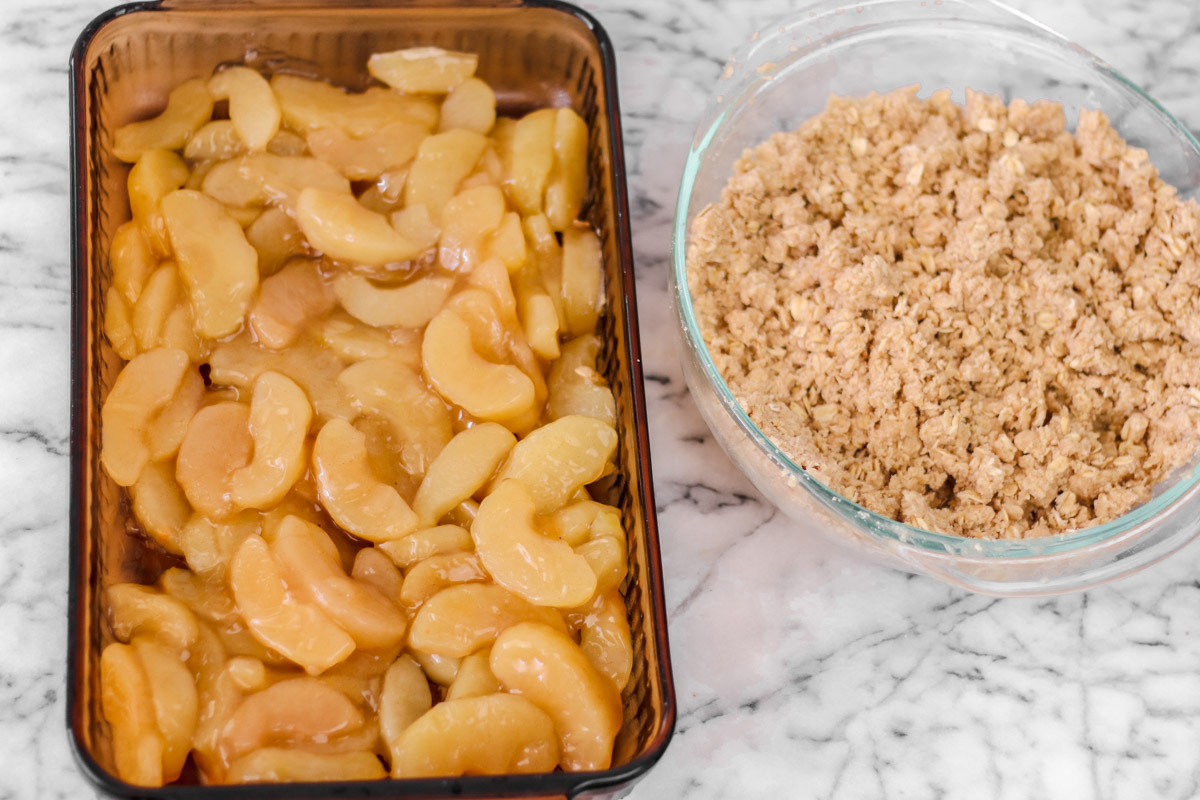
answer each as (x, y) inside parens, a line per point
(801, 671)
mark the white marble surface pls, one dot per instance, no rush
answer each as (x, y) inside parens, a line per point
(800, 671)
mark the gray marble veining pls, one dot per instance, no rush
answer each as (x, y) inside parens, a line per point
(801, 671)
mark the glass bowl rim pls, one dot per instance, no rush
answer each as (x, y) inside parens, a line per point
(874, 524)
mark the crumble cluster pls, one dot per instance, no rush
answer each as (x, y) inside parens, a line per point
(966, 318)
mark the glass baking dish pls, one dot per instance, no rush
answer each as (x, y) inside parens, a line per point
(534, 54)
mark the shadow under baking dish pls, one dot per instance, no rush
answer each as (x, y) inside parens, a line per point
(534, 54)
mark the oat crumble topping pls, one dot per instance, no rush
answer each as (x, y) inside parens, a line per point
(966, 318)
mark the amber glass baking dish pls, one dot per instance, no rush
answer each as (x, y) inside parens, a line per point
(534, 54)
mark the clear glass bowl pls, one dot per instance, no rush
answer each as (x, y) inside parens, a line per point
(785, 75)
